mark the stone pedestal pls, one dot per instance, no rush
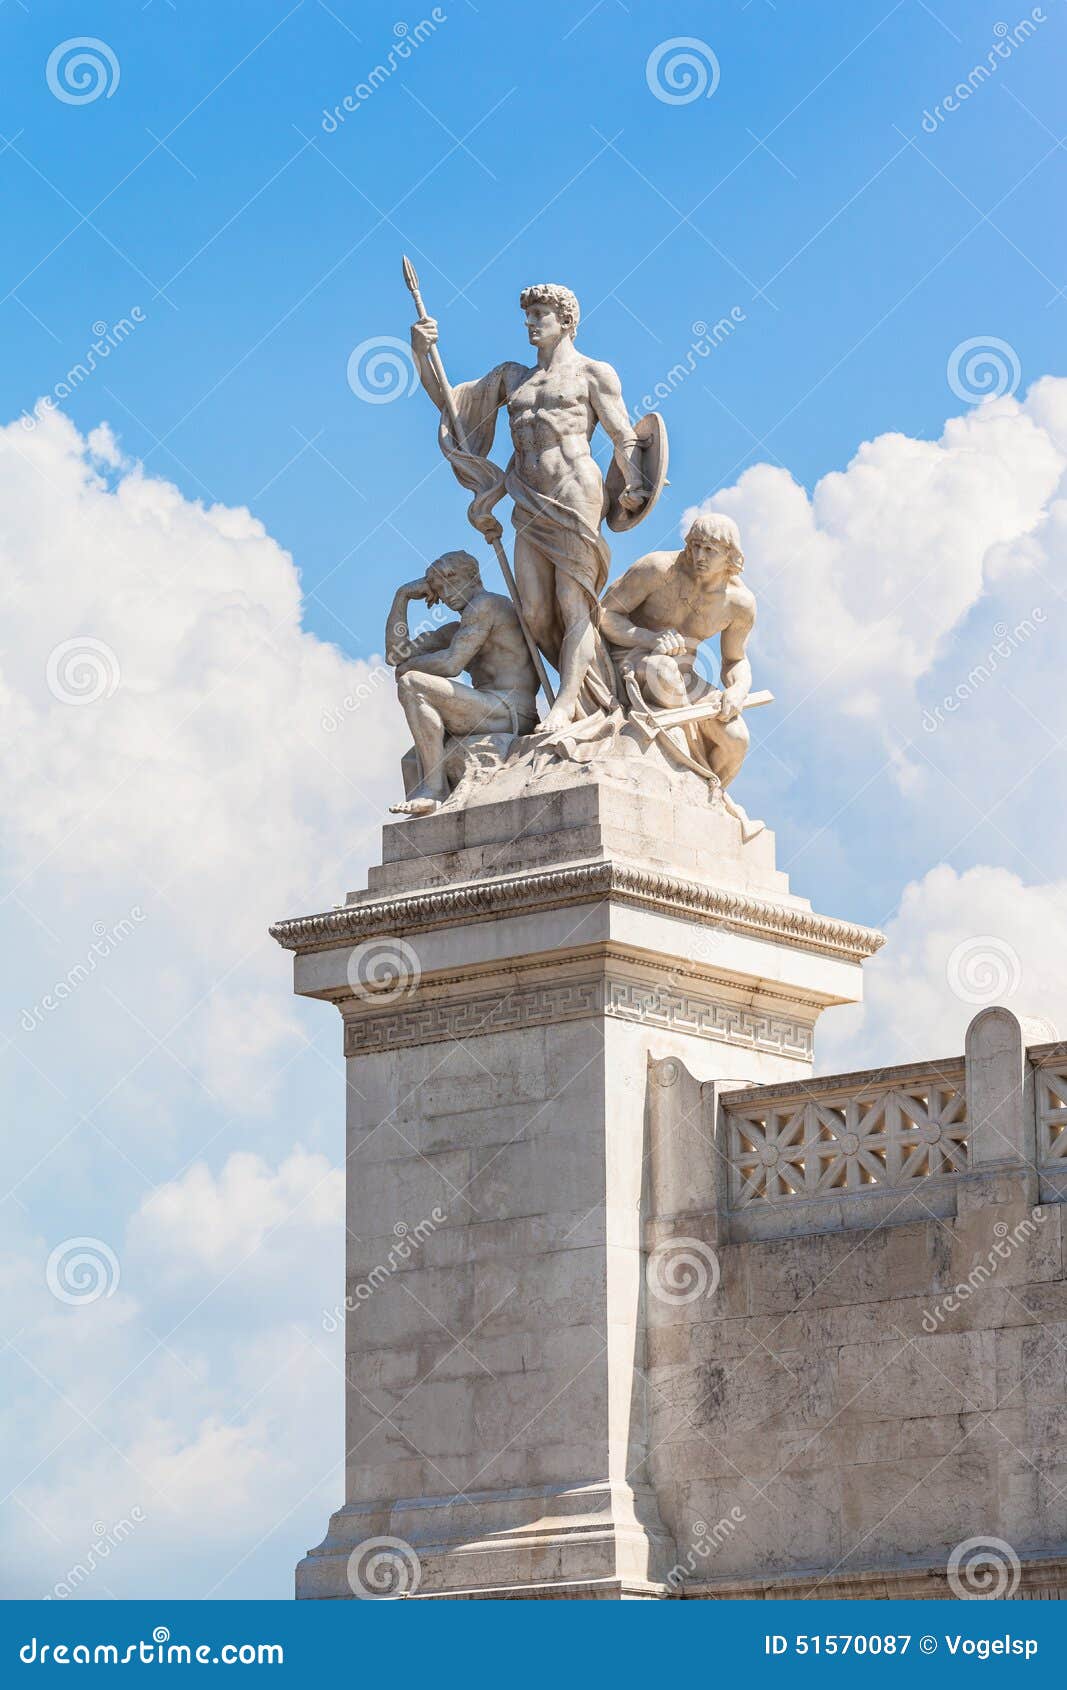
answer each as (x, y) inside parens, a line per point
(503, 982)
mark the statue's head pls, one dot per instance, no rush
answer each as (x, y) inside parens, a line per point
(453, 578)
(713, 544)
(552, 313)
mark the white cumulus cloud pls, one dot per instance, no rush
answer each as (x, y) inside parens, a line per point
(861, 581)
(958, 943)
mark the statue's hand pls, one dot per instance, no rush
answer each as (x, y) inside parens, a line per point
(669, 644)
(489, 526)
(732, 703)
(633, 498)
(423, 335)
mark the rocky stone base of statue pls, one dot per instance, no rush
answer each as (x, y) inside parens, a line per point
(498, 767)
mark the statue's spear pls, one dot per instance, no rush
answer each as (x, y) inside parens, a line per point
(459, 436)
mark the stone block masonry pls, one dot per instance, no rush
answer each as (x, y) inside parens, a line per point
(635, 1307)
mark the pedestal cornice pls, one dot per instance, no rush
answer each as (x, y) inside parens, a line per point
(485, 900)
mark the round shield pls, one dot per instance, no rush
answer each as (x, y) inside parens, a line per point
(651, 431)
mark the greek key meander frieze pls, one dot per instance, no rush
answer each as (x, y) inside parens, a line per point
(844, 1145)
(570, 1000)
(683, 1012)
(575, 883)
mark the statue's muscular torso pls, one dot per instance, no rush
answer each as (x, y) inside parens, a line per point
(658, 593)
(676, 600)
(552, 418)
(502, 661)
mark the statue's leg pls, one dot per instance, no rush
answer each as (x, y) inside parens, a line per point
(662, 682)
(576, 653)
(435, 706)
(725, 745)
(424, 718)
(535, 578)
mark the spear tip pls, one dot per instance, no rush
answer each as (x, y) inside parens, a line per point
(411, 279)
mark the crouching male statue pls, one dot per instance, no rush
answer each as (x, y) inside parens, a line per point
(488, 642)
(656, 615)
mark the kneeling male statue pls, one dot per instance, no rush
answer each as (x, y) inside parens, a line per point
(654, 619)
(488, 642)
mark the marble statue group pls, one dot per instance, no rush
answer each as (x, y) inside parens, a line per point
(627, 655)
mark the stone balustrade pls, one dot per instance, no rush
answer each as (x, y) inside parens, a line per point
(856, 1149)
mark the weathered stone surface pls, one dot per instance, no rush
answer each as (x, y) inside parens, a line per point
(499, 1173)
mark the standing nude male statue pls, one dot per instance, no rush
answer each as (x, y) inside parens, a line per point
(488, 641)
(656, 615)
(561, 557)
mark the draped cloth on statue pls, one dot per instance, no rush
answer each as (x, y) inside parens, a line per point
(561, 533)
(558, 531)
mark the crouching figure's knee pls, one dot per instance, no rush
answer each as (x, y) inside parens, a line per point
(663, 681)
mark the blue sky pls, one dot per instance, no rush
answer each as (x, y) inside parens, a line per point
(254, 247)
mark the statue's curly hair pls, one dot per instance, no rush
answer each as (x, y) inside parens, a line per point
(563, 302)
